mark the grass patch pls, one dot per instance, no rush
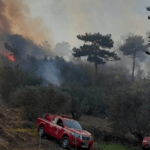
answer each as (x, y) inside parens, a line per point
(116, 147)
(21, 130)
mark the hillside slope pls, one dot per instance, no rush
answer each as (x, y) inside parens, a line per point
(14, 137)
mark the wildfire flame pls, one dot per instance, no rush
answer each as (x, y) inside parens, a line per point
(9, 56)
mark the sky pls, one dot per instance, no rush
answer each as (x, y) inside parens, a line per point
(65, 19)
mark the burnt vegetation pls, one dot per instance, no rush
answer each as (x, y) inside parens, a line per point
(40, 80)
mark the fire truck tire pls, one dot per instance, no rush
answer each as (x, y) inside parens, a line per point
(41, 131)
(65, 142)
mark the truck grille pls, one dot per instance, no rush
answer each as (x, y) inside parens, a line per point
(85, 138)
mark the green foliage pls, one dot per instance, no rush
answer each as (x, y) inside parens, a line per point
(96, 50)
(36, 100)
(8, 81)
(104, 41)
(13, 78)
(115, 147)
(74, 73)
(133, 45)
(93, 102)
(86, 100)
(129, 110)
(30, 79)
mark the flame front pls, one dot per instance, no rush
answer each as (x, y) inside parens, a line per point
(9, 56)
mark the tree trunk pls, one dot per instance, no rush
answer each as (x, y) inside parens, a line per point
(96, 74)
(133, 69)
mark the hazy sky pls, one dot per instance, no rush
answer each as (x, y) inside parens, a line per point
(67, 18)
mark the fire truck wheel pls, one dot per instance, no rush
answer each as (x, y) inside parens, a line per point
(64, 142)
(41, 131)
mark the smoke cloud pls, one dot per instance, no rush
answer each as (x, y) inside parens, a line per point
(67, 18)
(15, 19)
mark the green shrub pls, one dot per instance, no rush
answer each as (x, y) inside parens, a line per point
(129, 110)
(36, 100)
(86, 100)
(13, 78)
(115, 147)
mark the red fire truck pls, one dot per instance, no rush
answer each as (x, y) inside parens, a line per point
(65, 129)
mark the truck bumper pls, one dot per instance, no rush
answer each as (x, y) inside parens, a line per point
(80, 143)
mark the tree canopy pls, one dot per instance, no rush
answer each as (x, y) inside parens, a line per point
(134, 46)
(96, 49)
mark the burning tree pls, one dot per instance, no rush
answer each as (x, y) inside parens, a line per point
(96, 49)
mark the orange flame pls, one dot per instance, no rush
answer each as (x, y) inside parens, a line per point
(9, 56)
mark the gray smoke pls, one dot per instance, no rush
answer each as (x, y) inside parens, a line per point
(67, 18)
(50, 73)
(33, 58)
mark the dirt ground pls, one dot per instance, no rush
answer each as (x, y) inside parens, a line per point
(14, 137)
